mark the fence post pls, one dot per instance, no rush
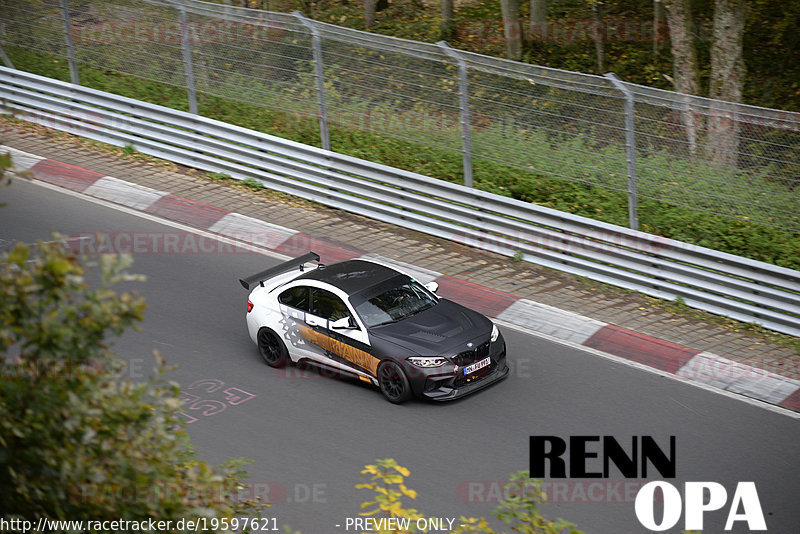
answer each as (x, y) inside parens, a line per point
(319, 75)
(73, 63)
(630, 151)
(188, 67)
(466, 121)
(6, 60)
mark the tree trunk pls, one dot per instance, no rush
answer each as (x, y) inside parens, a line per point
(447, 28)
(598, 35)
(538, 20)
(658, 18)
(512, 28)
(727, 78)
(684, 63)
(369, 13)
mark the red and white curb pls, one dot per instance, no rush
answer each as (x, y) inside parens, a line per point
(671, 358)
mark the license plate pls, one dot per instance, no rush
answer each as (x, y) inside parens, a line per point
(477, 365)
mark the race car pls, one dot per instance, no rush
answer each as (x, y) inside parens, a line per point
(370, 321)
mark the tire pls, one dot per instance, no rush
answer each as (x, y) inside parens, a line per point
(393, 382)
(271, 348)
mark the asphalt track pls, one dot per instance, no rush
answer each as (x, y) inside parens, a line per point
(310, 435)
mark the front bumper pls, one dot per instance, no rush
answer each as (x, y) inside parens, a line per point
(437, 385)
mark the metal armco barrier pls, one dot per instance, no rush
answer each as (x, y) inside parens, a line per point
(724, 284)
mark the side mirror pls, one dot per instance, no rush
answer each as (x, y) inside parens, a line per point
(345, 323)
(433, 287)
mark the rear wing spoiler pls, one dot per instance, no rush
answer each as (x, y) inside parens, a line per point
(279, 269)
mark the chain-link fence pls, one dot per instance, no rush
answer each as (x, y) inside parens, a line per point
(495, 117)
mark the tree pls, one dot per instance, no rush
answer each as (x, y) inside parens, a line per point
(369, 13)
(79, 440)
(684, 53)
(685, 68)
(512, 28)
(658, 15)
(371, 7)
(598, 35)
(538, 19)
(447, 28)
(727, 63)
(727, 78)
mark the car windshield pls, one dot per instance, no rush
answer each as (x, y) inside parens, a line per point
(395, 303)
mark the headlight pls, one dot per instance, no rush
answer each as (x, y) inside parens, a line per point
(495, 333)
(427, 361)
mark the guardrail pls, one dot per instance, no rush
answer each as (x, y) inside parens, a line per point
(721, 283)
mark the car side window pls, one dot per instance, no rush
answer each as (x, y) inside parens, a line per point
(327, 305)
(296, 297)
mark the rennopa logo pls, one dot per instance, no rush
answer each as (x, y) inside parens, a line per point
(594, 456)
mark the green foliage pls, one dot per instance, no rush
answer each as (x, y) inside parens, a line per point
(252, 183)
(387, 480)
(129, 149)
(519, 508)
(678, 305)
(771, 45)
(219, 176)
(772, 54)
(79, 439)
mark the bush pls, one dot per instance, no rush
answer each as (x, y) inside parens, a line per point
(519, 508)
(78, 438)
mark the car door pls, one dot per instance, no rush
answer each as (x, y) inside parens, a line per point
(294, 305)
(331, 325)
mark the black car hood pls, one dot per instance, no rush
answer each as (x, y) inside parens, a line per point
(443, 329)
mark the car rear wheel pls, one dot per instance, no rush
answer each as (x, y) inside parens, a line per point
(393, 382)
(271, 348)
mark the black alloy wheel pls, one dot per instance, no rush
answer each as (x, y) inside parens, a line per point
(271, 348)
(393, 382)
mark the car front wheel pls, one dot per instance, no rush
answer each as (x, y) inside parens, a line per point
(393, 382)
(271, 348)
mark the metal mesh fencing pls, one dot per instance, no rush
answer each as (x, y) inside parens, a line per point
(389, 86)
(508, 125)
(718, 157)
(546, 122)
(37, 27)
(260, 58)
(126, 37)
